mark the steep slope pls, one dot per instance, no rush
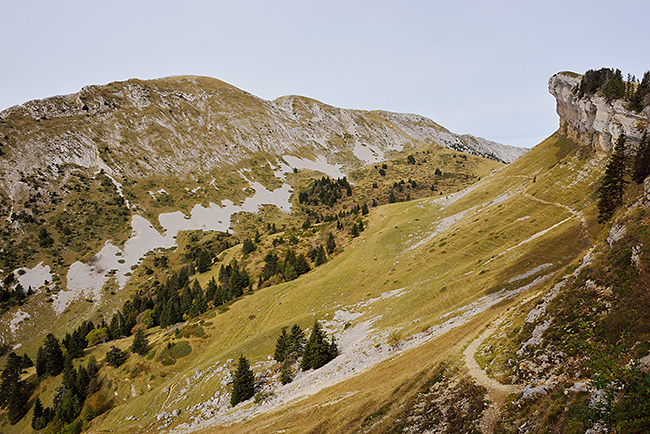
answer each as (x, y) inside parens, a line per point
(512, 232)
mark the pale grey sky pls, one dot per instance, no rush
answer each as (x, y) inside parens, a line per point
(478, 67)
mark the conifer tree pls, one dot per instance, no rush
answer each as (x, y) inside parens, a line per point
(140, 343)
(318, 351)
(37, 415)
(12, 389)
(243, 387)
(281, 346)
(331, 241)
(296, 341)
(641, 168)
(115, 357)
(41, 362)
(53, 355)
(613, 182)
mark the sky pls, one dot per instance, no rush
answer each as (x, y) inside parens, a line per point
(476, 67)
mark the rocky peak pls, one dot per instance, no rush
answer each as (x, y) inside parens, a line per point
(593, 121)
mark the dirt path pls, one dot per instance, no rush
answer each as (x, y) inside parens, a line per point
(497, 393)
(576, 214)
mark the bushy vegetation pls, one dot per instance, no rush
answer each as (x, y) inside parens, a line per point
(610, 84)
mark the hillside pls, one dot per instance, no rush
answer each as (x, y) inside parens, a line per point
(473, 297)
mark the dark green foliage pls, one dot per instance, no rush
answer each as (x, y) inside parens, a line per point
(26, 361)
(317, 255)
(13, 394)
(296, 341)
(641, 167)
(289, 346)
(326, 192)
(627, 407)
(248, 246)
(318, 352)
(70, 407)
(53, 355)
(610, 192)
(604, 79)
(41, 362)
(410, 159)
(44, 238)
(243, 387)
(437, 172)
(641, 99)
(281, 346)
(286, 374)
(330, 244)
(37, 415)
(198, 304)
(115, 357)
(140, 343)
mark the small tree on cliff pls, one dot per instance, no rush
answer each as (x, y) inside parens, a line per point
(613, 183)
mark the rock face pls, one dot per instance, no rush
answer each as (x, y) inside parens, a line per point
(177, 125)
(593, 121)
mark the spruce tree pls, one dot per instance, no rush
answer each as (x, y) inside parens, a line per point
(12, 390)
(318, 351)
(613, 182)
(296, 341)
(41, 362)
(281, 346)
(331, 242)
(140, 343)
(53, 355)
(115, 357)
(243, 387)
(641, 168)
(37, 415)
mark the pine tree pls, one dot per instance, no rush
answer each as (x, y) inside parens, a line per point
(296, 341)
(115, 357)
(41, 362)
(37, 415)
(243, 387)
(318, 351)
(286, 375)
(331, 241)
(12, 390)
(53, 355)
(281, 346)
(641, 168)
(613, 182)
(140, 343)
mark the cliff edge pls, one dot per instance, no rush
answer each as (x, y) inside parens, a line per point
(592, 120)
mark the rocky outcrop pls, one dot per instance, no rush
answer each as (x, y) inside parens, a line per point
(593, 121)
(179, 125)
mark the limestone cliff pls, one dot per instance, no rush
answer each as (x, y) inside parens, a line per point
(178, 125)
(593, 121)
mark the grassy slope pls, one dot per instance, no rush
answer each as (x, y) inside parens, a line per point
(491, 244)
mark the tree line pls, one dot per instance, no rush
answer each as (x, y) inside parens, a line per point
(610, 84)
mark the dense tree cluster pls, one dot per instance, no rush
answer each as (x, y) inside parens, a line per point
(325, 191)
(289, 346)
(610, 84)
(276, 270)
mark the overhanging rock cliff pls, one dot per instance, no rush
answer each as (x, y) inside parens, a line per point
(593, 121)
